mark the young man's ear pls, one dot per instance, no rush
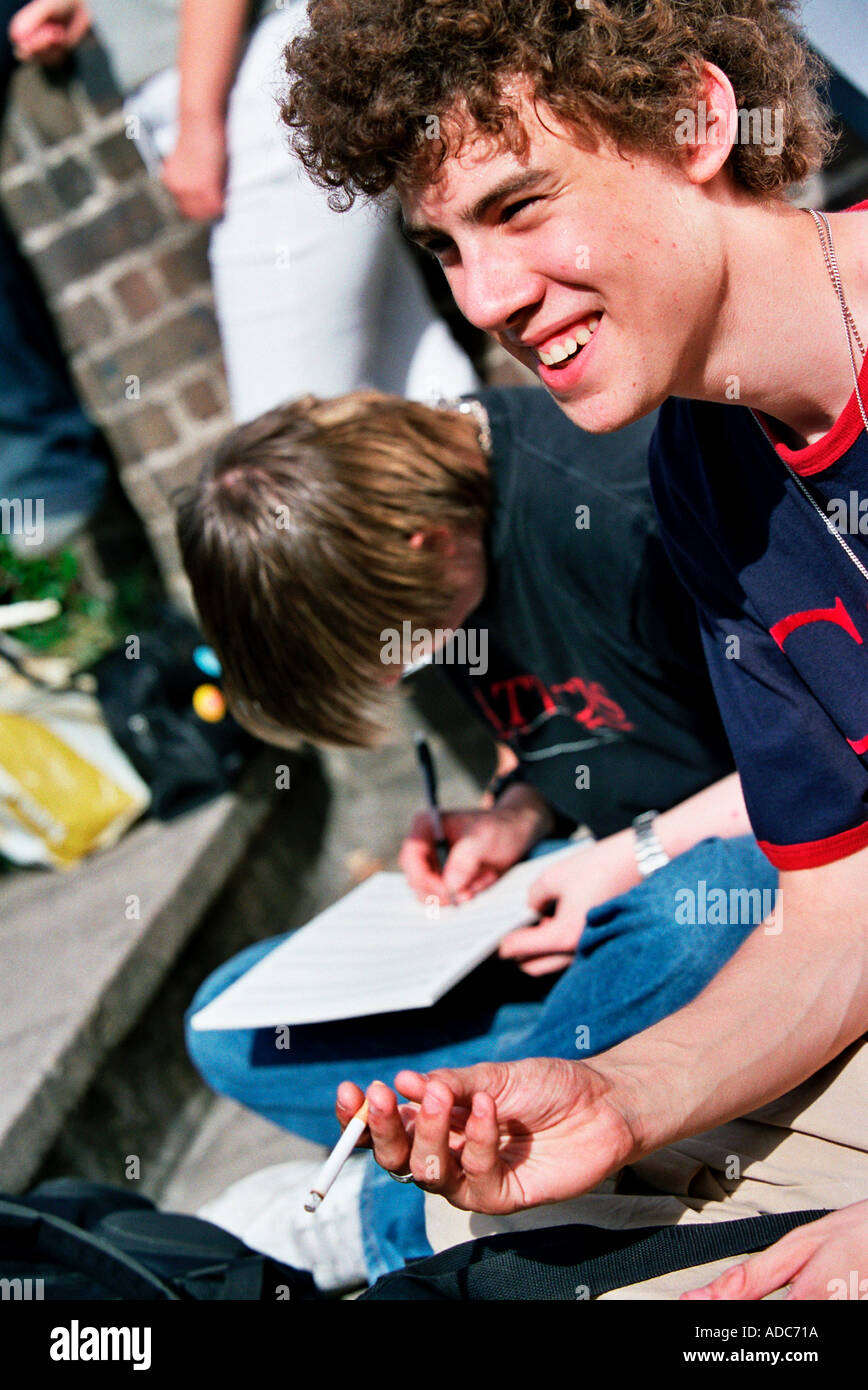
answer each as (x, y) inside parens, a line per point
(706, 132)
(438, 538)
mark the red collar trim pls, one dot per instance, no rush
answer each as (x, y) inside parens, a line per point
(814, 458)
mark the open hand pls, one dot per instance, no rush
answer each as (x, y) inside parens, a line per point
(499, 1136)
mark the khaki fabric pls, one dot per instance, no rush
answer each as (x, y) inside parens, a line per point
(806, 1150)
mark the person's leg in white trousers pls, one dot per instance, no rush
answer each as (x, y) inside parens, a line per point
(307, 299)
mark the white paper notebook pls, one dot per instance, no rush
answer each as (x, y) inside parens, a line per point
(375, 951)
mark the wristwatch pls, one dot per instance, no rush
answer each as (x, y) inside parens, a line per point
(650, 854)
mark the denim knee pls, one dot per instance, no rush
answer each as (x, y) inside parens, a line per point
(209, 1049)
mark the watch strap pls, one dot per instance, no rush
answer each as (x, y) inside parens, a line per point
(650, 854)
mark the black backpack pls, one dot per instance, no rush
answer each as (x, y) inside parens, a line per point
(74, 1239)
(148, 706)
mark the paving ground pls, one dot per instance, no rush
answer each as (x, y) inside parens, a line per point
(230, 1143)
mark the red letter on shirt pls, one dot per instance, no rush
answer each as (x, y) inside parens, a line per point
(837, 615)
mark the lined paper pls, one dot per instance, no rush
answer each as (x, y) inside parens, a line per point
(375, 951)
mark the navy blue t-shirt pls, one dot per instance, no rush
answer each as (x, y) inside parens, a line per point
(783, 612)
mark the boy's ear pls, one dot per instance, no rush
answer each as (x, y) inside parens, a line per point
(434, 538)
(707, 131)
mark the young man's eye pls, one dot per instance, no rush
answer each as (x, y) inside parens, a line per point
(512, 208)
(440, 250)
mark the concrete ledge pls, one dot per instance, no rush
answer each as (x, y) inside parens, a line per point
(78, 973)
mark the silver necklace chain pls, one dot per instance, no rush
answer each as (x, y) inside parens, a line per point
(827, 521)
(824, 231)
(822, 222)
(473, 407)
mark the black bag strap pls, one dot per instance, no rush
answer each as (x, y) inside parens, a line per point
(228, 1281)
(40, 1235)
(541, 1264)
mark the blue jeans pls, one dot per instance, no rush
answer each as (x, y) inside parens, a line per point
(49, 450)
(639, 959)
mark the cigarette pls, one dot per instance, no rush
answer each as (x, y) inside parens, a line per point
(28, 611)
(338, 1157)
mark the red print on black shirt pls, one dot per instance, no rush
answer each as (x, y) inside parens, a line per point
(519, 705)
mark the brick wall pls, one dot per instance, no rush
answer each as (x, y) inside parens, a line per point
(127, 281)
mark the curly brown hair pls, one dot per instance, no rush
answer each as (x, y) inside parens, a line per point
(373, 80)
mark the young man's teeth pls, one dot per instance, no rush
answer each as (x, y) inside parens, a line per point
(561, 351)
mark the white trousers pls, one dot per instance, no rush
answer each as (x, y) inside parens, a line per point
(307, 299)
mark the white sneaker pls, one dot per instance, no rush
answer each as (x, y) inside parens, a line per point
(266, 1211)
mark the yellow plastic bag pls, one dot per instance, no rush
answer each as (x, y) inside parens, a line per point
(66, 788)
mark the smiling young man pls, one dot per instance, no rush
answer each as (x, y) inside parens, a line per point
(544, 153)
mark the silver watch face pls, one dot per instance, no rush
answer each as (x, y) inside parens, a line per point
(650, 854)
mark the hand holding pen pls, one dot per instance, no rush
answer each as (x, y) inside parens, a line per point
(453, 855)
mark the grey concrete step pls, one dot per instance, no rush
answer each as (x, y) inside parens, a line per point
(77, 967)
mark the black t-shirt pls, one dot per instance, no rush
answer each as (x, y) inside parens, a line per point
(595, 672)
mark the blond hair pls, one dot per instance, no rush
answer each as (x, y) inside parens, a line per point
(296, 542)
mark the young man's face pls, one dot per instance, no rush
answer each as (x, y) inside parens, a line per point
(568, 245)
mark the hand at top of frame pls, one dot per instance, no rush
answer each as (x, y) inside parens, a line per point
(46, 31)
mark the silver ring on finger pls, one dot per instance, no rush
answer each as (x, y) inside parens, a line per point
(401, 1177)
